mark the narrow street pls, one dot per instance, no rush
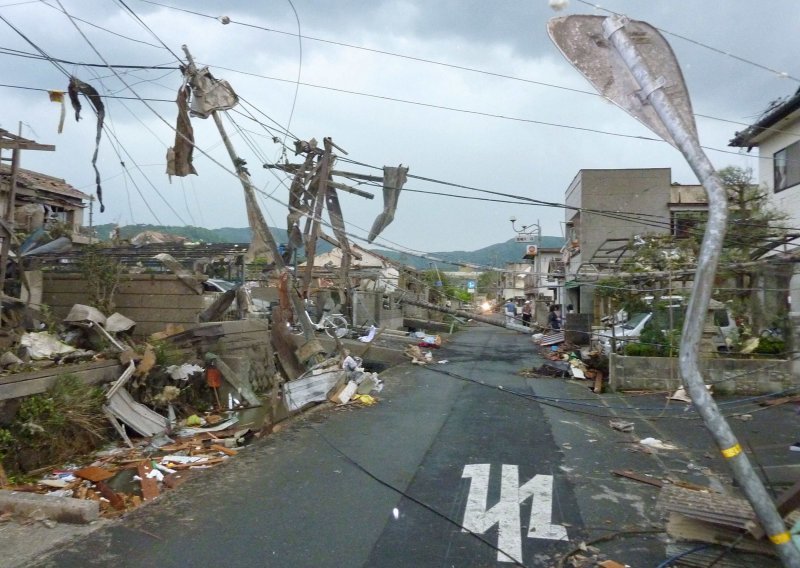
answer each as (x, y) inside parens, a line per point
(392, 484)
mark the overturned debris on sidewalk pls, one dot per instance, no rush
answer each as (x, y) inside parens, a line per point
(713, 518)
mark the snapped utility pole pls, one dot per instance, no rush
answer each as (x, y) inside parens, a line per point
(631, 64)
(262, 239)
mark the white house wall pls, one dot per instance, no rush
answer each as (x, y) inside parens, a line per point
(788, 200)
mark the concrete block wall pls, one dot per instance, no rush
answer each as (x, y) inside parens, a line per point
(368, 309)
(151, 300)
(729, 376)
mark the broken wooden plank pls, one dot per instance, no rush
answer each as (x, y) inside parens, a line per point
(598, 382)
(94, 473)
(116, 501)
(149, 484)
(638, 477)
(349, 189)
(224, 450)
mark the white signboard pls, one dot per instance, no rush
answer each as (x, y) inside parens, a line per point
(525, 238)
(506, 514)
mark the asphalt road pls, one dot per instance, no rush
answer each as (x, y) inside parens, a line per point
(395, 484)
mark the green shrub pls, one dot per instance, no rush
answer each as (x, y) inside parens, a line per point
(642, 350)
(770, 346)
(55, 426)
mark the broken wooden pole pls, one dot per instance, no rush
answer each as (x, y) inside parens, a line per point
(262, 236)
(316, 218)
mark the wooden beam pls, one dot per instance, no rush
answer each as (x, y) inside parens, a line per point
(25, 145)
(349, 189)
(292, 168)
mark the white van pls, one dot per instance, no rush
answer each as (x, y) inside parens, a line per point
(624, 333)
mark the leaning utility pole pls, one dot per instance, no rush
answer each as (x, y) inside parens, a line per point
(262, 236)
(632, 64)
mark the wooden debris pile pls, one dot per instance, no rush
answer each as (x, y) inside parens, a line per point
(121, 479)
(726, 521)
(567, 361)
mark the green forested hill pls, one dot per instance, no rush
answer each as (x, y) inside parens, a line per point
(493, 255)
(224, 235)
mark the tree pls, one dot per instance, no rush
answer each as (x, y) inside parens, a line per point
(754, 228)
(488, 282)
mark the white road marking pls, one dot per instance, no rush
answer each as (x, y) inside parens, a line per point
(506, 513)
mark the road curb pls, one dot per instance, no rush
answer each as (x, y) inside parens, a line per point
(60, 509)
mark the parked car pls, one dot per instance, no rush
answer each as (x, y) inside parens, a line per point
(624, 333)
(631, 330)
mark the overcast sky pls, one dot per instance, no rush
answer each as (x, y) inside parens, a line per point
(496, 145)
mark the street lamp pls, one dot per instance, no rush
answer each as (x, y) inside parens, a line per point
(530, 234)
(526, 230)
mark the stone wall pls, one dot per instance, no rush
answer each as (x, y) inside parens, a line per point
(729, 376)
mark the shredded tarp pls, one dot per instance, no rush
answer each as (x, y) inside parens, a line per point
(210, 94)
(179, 157)
(77, 86)
(42, 345)
(393, 181)
(58, 97)
(183, 372)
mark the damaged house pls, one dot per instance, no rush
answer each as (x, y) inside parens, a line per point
(43, 201)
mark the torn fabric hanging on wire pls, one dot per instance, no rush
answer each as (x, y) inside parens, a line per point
(58, 97)
(393, 181)
(210, 94)
(77, 86)
(179, 157)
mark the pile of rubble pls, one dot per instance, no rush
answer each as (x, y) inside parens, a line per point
(170, 418)
(564, 360)
(120, 479)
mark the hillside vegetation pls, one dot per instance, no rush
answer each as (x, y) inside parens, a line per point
(494, 255)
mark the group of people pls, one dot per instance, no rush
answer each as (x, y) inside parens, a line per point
(553, 316)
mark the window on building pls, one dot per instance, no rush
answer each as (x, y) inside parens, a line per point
(685, 224)
(786, 167)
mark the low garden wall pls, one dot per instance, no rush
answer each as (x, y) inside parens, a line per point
(729, 376)
(151, 300)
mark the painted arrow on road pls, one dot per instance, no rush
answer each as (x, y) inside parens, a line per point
(506, 514)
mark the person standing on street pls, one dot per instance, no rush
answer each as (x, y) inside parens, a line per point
(511, 311)
(526, 314)
(553, 319)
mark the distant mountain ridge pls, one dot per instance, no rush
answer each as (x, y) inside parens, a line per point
(493, 255)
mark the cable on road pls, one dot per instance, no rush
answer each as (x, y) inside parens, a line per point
(422, 504)
(559, 402)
